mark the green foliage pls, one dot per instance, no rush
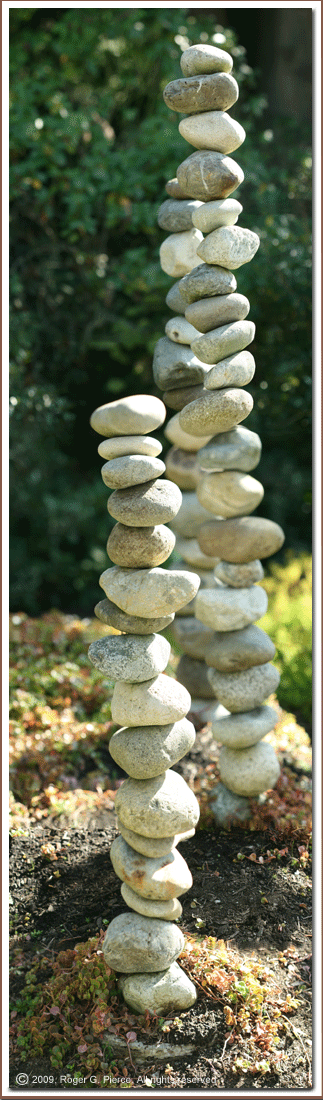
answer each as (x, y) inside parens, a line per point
(92, 145)
(289, 623)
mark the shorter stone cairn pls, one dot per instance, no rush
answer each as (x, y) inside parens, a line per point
(155, 807)
(202, 365)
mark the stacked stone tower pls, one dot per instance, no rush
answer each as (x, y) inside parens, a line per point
(202, 366)
(155, 807)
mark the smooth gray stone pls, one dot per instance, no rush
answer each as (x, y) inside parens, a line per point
(175, 365)
(111, 615)
(239, 576)
(137, 547)
(130, 657)
(180, 331)
(173, 189)
(214, 92)
(190, 552)
(158, 701)
(150, 846)
(219, 212)
(205, 281)
(157, 807)
(192, 637)
(178, 252)
(230, 609)
(234, 650)
(228, 808)
(148, 505)
(229, 493)
(175, 215)
(174, 432)
(146, 751)
(192, 673)
(129, 470)
(229, 245)
(120, 445)
(163, 910)
(133, 943)
(160, 993)
(235, 370)
(208, 313)
(223, 341)
(181, 467)
(176, 399)
(212, 130)
(203, 58)
(248, 772)
(209, 175)
(190, 516)
(216, 411)
(174, 299)
(148, 592)
(135, 415)
(240, 691)
(239, 731)
(157, 879)
(241, 539)
(239, 449)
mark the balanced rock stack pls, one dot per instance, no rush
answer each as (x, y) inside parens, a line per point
(155, 807)
(202, 365)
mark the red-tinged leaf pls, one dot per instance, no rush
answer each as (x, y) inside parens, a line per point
(131, 1036)
(54, 1010)
(82, 1048)
(253, 857)
(13, 1014)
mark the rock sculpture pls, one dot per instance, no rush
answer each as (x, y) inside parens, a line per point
(202, 367)
(156, 809)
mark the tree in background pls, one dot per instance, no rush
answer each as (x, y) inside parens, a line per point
(92, 146)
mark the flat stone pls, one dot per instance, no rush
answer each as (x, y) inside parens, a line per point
(145, 751)
(230, 246)
(121, 473)
(158, 807)
(219, 212)
(224, 340)
(229, 493)
(147, 505)
(235, 370)
(230, 608)
(192, 673)
(175, 366)
(161, 993)
(205, 281)
(175, 215)
(178, 252)
(129, 657)
(174, 190)
(176, 399)
(138, 414)
(239, 449)
(203, 58)
(179, 438)
(235, 650)
(208, 313)
(158, 701)
(121, 445)
(190, 517)
(244, 690)
(157, 879)
(239, 576)
(149, 592)
(179, 330)
(248, 772)
(216, 411)
(192, 554)
(228, 808)
(242, 539)
(110, 614)
(214, 92)
(181, 467)
(192, 637)
(133, 943)
(174, 299)
(163, 910)
(150, 846)
(212, 130)
(239, 731)
(208, 175)
(135, 547)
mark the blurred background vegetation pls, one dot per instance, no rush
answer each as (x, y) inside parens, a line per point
(92, 145)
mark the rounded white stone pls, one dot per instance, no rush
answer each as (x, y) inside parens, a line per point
(149, 592)
(244, 690)
(133, 943)
(203, 58)
(163, 910)
(229, 246)
(174, 299)
(150, 846)
(249, 771)
(225, 340)
(161, 993)
(212, 130)
(121, 445)
(180, 438)
(139, 413)
(235, 370)
(190, 551)
(229, 493)
(128, 470)
(146, 751)
(130, 657)
(238, 449)
(178, 252)
(240, 731)
(211, 215)
(180, 331)
(158, 879)
(190, 517)
(239, 576)
(230, 609)
(208, 313)
(157, 807)
(155, 702)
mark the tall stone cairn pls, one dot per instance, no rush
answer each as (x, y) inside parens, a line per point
(155, 807)
(202, 367)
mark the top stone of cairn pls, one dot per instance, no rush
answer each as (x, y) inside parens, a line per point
(203, 58)
(137, 414)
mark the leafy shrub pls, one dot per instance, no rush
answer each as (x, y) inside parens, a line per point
(288, 621)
